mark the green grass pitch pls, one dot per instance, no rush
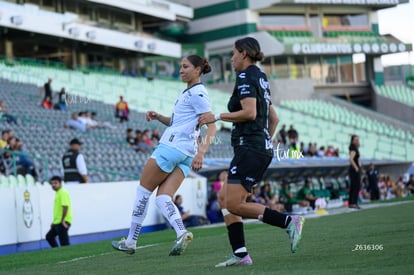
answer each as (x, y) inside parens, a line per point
(326, 248)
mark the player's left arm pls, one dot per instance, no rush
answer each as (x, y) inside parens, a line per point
(273, 120)
(197, 162)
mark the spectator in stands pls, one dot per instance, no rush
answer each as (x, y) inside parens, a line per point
(306, 149)
(5, 134)
(174, 158)
(372, 176)
(86, 119)
(400, 188)
(313, 152)
(122, 110)
(336, 153)
(363, 194)
(330, 151)
(93, 121)
(267, 194)
(73, 163)
(75, 123)
(155, 134)
(220, 180)
(256, 196)
(294, 150)
(11, 133)
(281, 135)
(47, 103)
(130, 139)
(155, 141)
(188, 219)
(305, 197)
(62, 214)
(141, 145)
(6, 159)
(292, 134)
(321, 152)
(11, 146)
(410, 184)
(5, 114)
(47, 90)
(62, 102)
(382, 187)
(302, 147)
(23, 160)
(214, 214)
(146, 137)
(391, 187)
(287, 197)
(354, 172)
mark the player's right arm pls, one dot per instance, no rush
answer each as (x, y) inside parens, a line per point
(151, 115)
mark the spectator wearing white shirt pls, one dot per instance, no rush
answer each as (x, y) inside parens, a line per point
(75, 123)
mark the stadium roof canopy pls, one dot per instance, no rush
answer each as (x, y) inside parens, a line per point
(156, 8)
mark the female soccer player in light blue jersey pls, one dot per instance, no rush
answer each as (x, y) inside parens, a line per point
(177, 153)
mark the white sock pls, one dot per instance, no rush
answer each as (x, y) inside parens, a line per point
(171, 213)
(138, 214)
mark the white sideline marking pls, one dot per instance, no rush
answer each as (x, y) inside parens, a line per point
(102, 254)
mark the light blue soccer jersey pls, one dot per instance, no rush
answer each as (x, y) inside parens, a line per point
(183, 132)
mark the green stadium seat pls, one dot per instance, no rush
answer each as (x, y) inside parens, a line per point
(21, 180)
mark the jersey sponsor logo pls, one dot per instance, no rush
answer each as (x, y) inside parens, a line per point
(244, 92)
(242, 75)
(250, 179)
(268, 144)
(263, 83)
(267, 95)
(243, 86)
(233, 170)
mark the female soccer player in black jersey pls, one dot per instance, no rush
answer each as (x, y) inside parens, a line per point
(254, 122)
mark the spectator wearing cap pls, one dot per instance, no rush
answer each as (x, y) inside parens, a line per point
(122, 110)
(73, 164)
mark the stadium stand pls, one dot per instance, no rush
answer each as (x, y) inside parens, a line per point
(399, 93)
(338, 123)
(108, 157)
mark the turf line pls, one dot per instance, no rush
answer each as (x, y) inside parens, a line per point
(101, 254)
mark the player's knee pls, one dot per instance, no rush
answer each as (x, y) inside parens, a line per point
(233, 208)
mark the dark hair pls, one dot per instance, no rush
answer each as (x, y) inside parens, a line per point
(353, 137)
(201, 62)
(251, 46)
(5, 132)
(57, 178)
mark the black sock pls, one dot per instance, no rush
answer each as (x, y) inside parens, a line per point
(275, 218)
(236, 237)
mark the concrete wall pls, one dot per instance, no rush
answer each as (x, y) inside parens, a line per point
(281, 89)
(394, 109)
(288, 89)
